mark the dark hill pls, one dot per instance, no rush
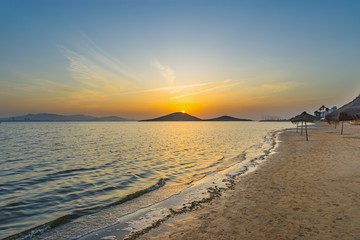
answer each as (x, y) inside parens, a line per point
(177, 116)
(227, 118)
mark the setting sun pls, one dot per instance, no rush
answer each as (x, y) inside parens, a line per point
(97, 99)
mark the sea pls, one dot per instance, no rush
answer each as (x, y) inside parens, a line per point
(77, 180)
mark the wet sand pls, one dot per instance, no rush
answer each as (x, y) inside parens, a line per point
(306, 190)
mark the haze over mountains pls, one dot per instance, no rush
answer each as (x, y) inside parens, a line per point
(180, 116)
(60, 118)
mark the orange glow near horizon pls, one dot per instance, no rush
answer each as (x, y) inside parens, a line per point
(202, 100)
(166, 65)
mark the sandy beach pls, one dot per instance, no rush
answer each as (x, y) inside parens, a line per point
(306, 190)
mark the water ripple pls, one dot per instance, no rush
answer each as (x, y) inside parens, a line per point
(54, 172)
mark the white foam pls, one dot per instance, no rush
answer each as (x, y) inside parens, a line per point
(34, 233)
(197, 191)
(109, 238)
(152, 216)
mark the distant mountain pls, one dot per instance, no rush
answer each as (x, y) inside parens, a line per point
(61, 118)
(227, 118)
(177, 116)
(113, 118)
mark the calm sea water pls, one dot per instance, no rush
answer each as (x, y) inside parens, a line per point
(54, 172)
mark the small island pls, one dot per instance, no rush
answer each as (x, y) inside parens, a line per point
(182, 116)
(176, 116)
(228, 118)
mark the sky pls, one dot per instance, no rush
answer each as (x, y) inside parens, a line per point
(146, 58)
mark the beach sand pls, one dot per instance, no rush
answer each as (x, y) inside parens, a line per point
(306, 190)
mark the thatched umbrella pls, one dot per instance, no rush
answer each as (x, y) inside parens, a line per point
(297, 123)
(304, 118)
(348, 112)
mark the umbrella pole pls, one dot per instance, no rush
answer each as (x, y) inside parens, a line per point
(302, 123)
(297, 127)
(307, 139)
(342, 127)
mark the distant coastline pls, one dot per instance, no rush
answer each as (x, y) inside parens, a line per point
(280, 120)
(176, 116)
(48, 117)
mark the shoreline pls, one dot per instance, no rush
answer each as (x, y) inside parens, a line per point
(246, 167)
(306, 190)
(201, 192)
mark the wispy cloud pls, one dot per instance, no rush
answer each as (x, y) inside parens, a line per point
(182, 91)
(108, 61)
(166, 72)
(89, 73)
(173, 89)
(209, 87)
(97, 70)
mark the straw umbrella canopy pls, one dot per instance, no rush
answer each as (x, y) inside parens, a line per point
(304, 118)
(348, 112)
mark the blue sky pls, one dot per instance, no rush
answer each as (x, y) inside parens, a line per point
(144, 58)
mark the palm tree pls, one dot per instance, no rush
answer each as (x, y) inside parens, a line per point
(317, 113)
(327, 110)
(322, 110)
